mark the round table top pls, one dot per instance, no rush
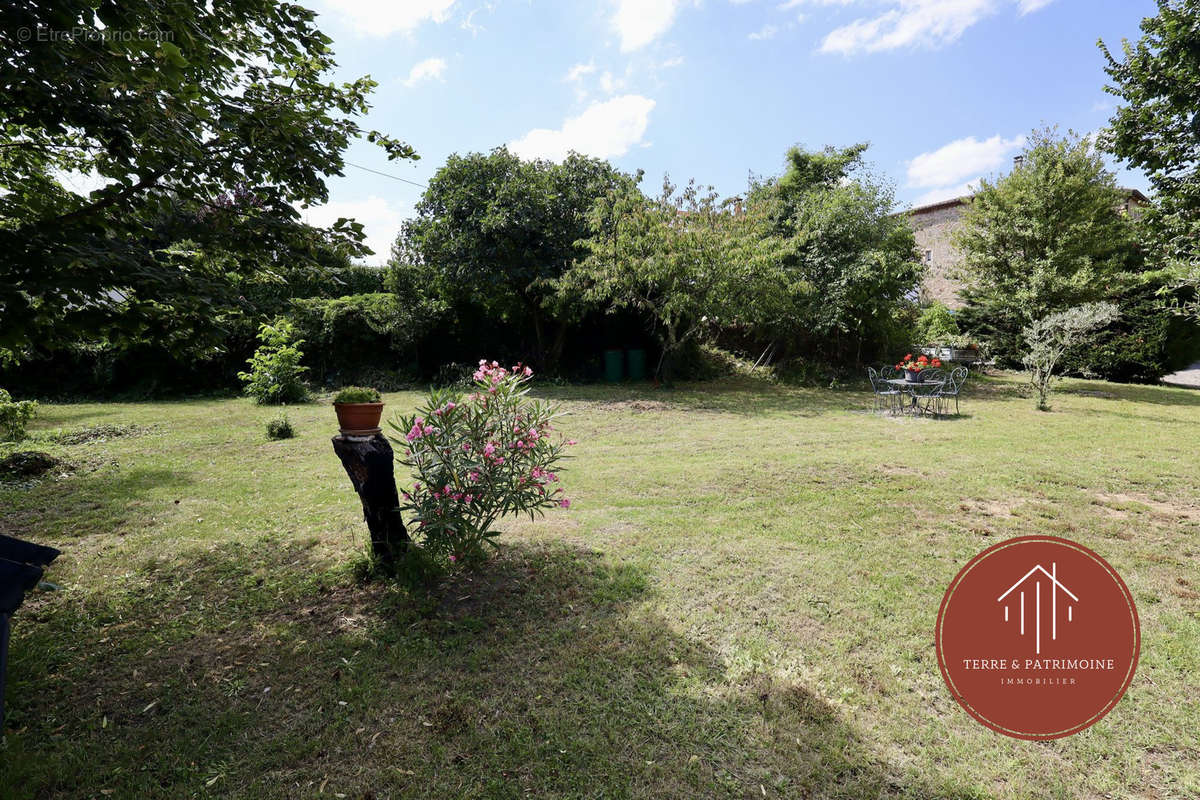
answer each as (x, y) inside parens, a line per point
(906, 382)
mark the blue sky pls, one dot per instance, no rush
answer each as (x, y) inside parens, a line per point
(944, 90)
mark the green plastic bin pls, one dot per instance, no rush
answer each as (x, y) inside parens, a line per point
(637, 365)
(614, 365)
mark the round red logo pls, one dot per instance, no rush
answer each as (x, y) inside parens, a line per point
(1038, 637)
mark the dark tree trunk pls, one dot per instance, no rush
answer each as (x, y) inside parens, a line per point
(368, 462)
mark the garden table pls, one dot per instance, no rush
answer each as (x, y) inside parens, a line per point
(917, 390)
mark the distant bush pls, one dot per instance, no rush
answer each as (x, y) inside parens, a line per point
(275, 374)
(936, 326)
(280, 428)
(15, 416)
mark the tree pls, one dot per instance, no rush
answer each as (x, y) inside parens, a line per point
(1047, 338)
(1158, 130)
(1045, 237)
(834, 262)
(204, 121)
(668, 258)
(495, 231)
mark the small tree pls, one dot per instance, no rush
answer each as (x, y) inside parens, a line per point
(1052, 335)
(667, 257)
(275, 374)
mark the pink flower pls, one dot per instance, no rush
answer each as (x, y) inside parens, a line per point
(473, 476)
(571, 441)
(565, 503)
(450, 406)
(428, 430)
(489, 448)
(528, 372)
(453, 558)
(466, 447)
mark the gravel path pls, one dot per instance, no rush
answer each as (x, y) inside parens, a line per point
(1189, 377)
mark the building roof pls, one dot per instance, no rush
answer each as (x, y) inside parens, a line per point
(955, 201)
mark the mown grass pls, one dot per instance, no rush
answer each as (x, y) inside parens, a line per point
(740, 603)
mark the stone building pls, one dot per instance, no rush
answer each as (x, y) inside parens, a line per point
(934, 226)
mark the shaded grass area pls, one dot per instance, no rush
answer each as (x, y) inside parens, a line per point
(739, 604)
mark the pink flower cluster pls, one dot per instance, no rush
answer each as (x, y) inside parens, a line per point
(420, 428)
(492, 373)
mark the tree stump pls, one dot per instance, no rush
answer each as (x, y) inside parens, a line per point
(368, 462)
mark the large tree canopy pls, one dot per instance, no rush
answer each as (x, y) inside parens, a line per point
(1048, 235)
(495, 230)
(841, 261)
(1157, 129)
(205, 123)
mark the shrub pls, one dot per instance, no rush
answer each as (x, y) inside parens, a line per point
(357, 394)
(1147, 342)
(280, 428)
(14, 416)
(478, 458)
(275, 374)
(936, 326)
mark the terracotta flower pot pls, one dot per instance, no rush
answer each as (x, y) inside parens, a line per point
(358, 418)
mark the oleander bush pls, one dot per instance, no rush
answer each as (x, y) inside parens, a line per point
(478, 457)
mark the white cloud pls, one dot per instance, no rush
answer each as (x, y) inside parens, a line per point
(1029, 6)
(427, 70)
(946, 193)
(914, 23)
(380, 220)
(604, 130)
(610, 84)
(578, 71)
(385, 17)
(676, 61)
(765, 32)
(639, 22)
(953, 162)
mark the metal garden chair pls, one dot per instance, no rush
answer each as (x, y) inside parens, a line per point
(886, 395)
(952, 388)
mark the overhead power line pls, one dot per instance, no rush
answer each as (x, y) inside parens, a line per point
(386, 175)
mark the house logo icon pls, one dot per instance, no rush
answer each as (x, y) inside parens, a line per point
(1037, 637)
(1038, 577)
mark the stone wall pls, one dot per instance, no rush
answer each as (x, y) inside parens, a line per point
(933, 229)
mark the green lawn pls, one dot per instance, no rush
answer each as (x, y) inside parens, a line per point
(740, 603)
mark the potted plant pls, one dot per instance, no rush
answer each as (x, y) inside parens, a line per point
(358, 410)
(913, 367)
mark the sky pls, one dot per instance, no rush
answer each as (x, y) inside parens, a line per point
(945, 91)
